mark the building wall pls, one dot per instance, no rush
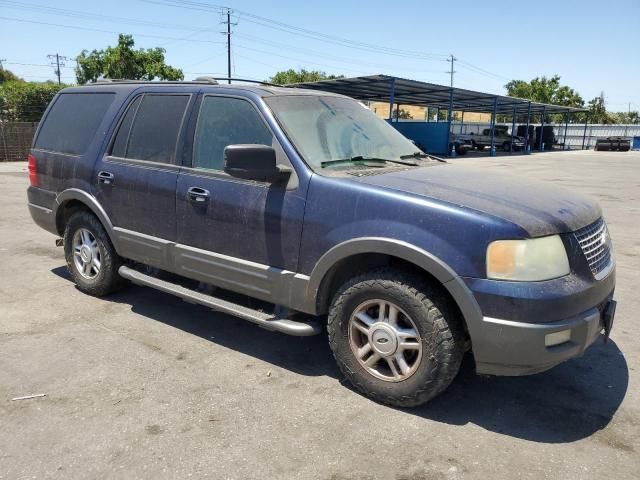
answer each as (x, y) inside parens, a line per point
(419, 113)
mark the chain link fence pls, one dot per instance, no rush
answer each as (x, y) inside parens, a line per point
(15, 140)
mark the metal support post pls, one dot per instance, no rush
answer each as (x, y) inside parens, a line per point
(492, 150)
(392, 95)
(541, 143)
(513, 127)
(526, 136)
(450, 116)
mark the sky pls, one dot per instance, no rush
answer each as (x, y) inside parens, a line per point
(592, 45)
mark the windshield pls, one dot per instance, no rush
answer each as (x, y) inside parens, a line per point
(326, 129)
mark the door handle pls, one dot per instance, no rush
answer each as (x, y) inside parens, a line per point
(197, 194)
(105, 177)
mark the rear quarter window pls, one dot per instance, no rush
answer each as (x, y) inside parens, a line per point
(73, 121)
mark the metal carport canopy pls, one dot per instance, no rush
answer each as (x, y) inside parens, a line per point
(402, 91)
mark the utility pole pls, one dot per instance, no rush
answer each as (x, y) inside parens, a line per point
(59, 62)
(2, 60)
(452, 71)
(228, 34)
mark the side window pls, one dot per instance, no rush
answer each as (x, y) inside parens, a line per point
(119, 148)
(154, 131)
(226, 121)
(73, 121)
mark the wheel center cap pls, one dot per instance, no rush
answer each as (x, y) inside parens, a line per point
(85, 254)
(383, 339)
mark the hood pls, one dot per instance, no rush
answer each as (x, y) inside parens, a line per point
(538, 208)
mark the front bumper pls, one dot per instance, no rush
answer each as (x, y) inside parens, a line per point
(520, 347)
(517, 319)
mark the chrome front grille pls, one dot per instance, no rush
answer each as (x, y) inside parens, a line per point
(596, 245)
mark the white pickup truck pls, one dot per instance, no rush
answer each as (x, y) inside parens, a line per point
(502, 139)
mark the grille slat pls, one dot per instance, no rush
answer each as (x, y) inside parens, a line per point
(596, 245)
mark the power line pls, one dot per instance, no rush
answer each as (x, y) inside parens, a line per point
(334, 58)
(477, 69)
(51, 24)
(293, 29)
(37, 64)
(45, 9)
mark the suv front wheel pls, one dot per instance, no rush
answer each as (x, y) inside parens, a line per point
(395, 338)
(91, 259)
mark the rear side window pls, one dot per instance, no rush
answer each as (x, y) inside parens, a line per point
(73, 121)
(226, 121)
(149, 131)
(119, 148)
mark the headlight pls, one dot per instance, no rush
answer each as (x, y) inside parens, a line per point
(527, 260)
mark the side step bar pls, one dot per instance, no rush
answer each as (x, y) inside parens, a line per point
(264, 320)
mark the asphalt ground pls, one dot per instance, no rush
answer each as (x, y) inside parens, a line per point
(143, 385)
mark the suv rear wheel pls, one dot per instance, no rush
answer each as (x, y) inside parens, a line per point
(395, 338)
(91, 259)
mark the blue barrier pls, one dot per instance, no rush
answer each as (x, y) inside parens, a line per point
(429, 136)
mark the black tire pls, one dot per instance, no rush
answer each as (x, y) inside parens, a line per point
(506, 146)
(106, 280)
(436, 320)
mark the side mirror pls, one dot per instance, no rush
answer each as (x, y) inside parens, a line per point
(253, 162)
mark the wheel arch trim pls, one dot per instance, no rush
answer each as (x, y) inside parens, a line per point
(419, 257)
(92, 204)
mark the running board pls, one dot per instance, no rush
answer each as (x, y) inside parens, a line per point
(264, 320)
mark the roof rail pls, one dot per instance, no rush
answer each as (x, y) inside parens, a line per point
(124, 80)
(247, 80)
(201, 79)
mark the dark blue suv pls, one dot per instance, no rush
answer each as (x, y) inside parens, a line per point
(297, 210)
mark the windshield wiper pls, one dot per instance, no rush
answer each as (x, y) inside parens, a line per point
(422, 155)
(358, 159)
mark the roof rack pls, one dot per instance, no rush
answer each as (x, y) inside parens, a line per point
(201, 79)
(247, 80)
(163, 82)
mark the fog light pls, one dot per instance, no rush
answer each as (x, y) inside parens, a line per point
(556, 338)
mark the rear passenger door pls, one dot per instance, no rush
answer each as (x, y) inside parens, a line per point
(136, 179)
(238, 234)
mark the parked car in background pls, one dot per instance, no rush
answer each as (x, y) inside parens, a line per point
(325, 217)
(502, 139)
(461, 143)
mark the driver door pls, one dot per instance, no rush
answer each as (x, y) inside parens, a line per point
(242, 235)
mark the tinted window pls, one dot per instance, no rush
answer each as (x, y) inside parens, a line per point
(226, 121)
(119, 148)
(73, 122)
(156, 126)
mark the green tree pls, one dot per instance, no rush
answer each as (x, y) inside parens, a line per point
(545, 90)
(625, 117)
(9, 76)
(25, 101)
(125, 62)
(598, 111)
(403, 114)
(292, 76)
